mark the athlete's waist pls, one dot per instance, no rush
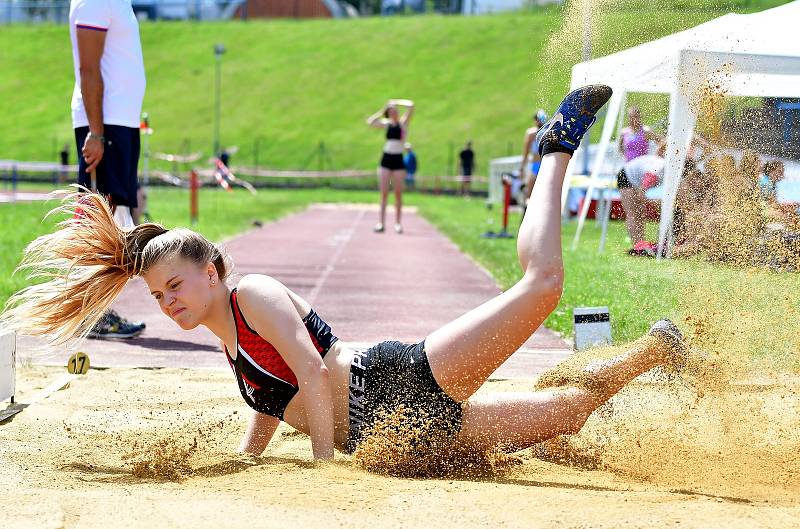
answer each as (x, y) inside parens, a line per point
(393, 147)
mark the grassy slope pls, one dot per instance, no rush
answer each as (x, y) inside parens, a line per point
(295, 84)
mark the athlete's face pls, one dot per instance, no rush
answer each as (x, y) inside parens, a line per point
(391, 113)
(183, 289)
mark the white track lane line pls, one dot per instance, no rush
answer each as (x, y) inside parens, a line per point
(340, 239)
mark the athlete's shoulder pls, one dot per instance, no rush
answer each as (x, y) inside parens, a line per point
(262, 299)
(253, 286)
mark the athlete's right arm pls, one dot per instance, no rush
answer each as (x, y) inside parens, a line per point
(91, 43)
(376, 120)
(259, 433)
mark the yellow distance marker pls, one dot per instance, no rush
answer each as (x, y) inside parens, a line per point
(78, 363)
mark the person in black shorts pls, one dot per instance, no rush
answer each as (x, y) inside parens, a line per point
(392, 171)
(290, 366)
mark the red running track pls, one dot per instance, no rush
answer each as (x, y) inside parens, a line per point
(369, 287)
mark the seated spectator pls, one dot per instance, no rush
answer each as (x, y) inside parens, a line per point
(696, 217)
(725, 222)
(785, 214)
(768, 181)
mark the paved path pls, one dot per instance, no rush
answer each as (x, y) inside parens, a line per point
(369, 287)
(24, 196)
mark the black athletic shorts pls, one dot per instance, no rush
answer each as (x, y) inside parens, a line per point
(393, 374)
(393, 162)
(117, 173)
(622, 180)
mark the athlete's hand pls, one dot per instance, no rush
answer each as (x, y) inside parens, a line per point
(92, 151)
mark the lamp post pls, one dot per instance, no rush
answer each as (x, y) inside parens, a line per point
(219, 50)
(586, 7)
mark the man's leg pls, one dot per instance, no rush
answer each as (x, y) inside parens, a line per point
(116, 179)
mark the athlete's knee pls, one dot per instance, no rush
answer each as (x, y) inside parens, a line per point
(573, 425)
(576, 414)
(545, 285)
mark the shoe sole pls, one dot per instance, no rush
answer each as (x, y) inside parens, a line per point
(669, 332)
(113, 336)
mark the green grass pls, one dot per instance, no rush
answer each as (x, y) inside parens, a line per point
(748, 310)
(292, 84)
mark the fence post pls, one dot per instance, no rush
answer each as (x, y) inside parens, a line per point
(193, 202)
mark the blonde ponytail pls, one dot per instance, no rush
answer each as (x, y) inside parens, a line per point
(82, 267)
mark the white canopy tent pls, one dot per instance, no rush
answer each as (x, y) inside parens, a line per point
(736, 55)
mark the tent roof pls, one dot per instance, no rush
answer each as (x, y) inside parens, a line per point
(759, 39)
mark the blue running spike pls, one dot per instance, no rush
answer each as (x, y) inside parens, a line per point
(575, 115)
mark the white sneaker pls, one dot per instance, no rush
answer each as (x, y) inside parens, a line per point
(398, 228)
(378, 228)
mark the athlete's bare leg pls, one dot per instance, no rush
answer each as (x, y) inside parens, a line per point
(520, 420)
(398, 178)
(384, 177)
(463, 353)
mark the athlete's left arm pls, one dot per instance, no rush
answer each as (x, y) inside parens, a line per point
(409, 112)
(259, 433)
(268, 308)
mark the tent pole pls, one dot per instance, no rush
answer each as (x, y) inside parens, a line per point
(682, 119)
(607, 194)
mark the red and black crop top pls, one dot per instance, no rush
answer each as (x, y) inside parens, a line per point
(265, 380)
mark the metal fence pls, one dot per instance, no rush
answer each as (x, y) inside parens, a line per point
(57, 11)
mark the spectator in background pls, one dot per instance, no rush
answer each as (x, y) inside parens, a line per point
(634, 141)
(695, 210)
(410, 161)
(640, 174)
(773, 174)
(392, 171)
(63, 158)
(768, 181)
(467, 158)
(529, 177)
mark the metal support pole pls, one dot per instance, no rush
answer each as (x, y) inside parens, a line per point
(587, 55)
(219, 49)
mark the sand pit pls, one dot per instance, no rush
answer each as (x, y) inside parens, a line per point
(156, 448)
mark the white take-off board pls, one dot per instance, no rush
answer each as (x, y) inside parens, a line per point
(8, 346)
(592, 327)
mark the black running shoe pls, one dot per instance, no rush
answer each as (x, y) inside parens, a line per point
(575, 115)
(114, 327)
(669, 333)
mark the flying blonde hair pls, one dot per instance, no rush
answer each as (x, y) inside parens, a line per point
(82, 267)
